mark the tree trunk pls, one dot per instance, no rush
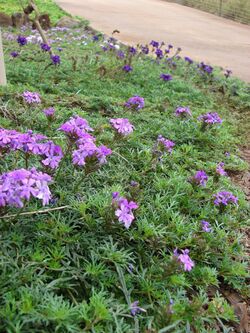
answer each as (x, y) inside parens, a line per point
(3, 81)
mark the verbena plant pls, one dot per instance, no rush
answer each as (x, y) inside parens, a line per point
(130, 154)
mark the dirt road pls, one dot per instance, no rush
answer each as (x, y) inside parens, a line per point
(202, 36)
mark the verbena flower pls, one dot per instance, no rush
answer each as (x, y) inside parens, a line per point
(207, 69)
(225, 198)
(14, 54)
(135, 102)
(183, 112)
(49, 112)
(200, 178)
(122, 126)
(210, 118)
(21, 185)
(166, 77)
(127, 68)
(45, 47)
(144, 49)
(76, 128)
(159, 53)
(135, 309)
(22, 40)
(31, 97)
(184, 259)
(165, 144)
(31, 144)
(205, 225)
(132, 50)
(120, 54)
(188, 60)
(56, 60)
(154, 43)
(123, 209)
(220, 170)
(95, 38)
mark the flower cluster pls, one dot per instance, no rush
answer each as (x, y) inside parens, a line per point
(14, 54)
(205, 68)
(22, 40)
(87, 153)
(165, 144)
(184, 259)
(183, 112)
(56, 60)
(200, 178)
(45, 47)
(210, 118)
(220, 169)
(205, 225)
(76, 128)
(188, 60)
(166, 77)
(123, 209)
(135, 103)
(49, 113)
(122, 126)
(31, 144)
(127, 68)
(20, 185)
(225, 198)
(135, 309)
(31, 97)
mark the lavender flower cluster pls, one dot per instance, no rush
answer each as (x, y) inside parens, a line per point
(122, 126)
(31, 144)
(135, 103)
(123, 209)
(18, 186)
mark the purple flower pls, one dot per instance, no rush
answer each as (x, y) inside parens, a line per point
(159, 53)
(123, 209)
(127, 68)
(49, 112)
(76, 128)
(206, 226)
(165, 144)
(22, 40)
(225, 198)
(45, 47)
(200, 178)
(154, 43)
(132, 50)
(210, 118)
(95, 38)
(135, 309)
(183, 112)
(122, 126)
(120, 54)
(31, 97)
(205, 68)
(166, 77)
(145, 49)
(188, 60)
(220, 170)
(227, 154)
(135, 102)
(14, 54)
(56, 60)
(20, 185)
(184, 259)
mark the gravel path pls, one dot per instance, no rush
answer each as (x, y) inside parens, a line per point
(202, 36)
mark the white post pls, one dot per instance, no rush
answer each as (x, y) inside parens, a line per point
(3, 81)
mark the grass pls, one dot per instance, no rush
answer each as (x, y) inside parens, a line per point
(78, 269)
(46, 6)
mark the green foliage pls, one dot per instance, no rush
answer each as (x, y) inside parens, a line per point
(79, 269)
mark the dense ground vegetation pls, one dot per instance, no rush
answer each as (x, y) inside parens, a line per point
(72, 266)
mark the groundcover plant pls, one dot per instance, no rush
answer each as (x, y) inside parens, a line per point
(117, 210)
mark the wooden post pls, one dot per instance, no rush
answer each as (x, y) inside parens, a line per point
(3, 80)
